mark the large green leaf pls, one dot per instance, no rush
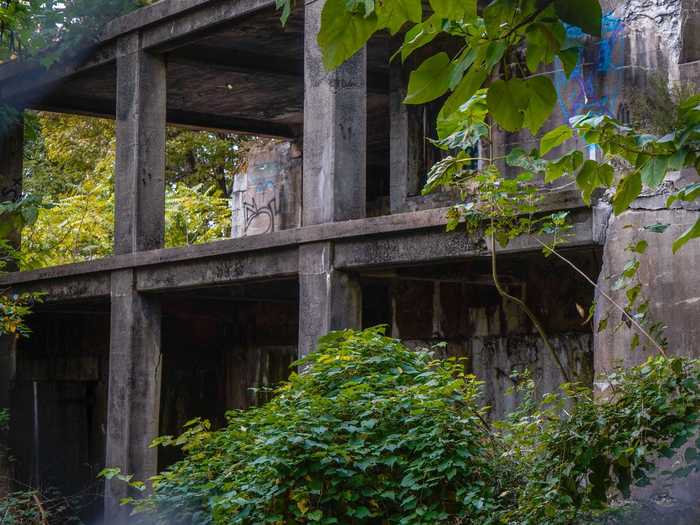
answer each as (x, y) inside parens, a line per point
(421, 35)
(343, 33)
(691, 233)
(555, 138)
(395, 13)
(454, 9)
(565, 165)
(469, 85)
(542, 98)
(654, 171)
(499, 16)
(507, 101)
(586, 14)
(592, 176)
(629, 189)
(430, 81)
(544, 41)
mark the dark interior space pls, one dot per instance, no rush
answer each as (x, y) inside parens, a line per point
(457, 307)
(221, 344)
(59, 406)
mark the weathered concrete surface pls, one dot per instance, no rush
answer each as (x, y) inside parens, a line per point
(457, 304)
(139, 184)
(328, 299)
(335, 131)
(273, 264)
(134, 388)
(266, 197)
(670, 281)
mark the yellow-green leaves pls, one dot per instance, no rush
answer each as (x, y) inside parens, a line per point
(343, 32)
(586, 14)
(518, 103)
(430, 81)
(555, 138)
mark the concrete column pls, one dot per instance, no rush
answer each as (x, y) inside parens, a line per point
(406, 141)
(135, 333)
(328, 299)
(134, 388)
(11, 155)
(140, 166)
(335, 131)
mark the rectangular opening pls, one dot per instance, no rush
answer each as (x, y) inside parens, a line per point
(222, 347)
(58, 414)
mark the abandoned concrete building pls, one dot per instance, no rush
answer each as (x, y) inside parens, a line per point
(330, 231)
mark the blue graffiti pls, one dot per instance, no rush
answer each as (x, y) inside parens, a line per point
(585, 90)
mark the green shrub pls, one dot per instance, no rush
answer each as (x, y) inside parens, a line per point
(374, 433)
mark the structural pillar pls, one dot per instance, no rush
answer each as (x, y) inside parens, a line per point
(335, 131)
(11, 155)
(407, 138)
(329, 299)
(135, 330)
(334, 185)
(139, 184)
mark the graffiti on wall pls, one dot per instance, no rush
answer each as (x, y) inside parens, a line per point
(265, 196)
(259, 219)
(595, 84)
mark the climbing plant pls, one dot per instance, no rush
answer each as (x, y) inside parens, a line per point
(493, 83)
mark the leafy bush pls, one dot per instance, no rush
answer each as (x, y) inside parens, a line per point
(372, 432)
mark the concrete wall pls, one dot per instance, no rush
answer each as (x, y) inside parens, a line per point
(267, 195)
(458, 305)
(660, 38)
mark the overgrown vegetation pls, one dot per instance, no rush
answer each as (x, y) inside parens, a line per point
(372, 432)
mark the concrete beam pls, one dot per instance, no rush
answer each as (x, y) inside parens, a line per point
(434, 245)
(335, 131)
(140, 165)
(197, 17)
(28, 83)
(219, 271)
(328, 299)
(134, 388)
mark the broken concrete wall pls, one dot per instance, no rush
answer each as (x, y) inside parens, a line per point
(266, 197)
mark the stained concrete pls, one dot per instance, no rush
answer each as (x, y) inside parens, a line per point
(139, 185)
(335, 131)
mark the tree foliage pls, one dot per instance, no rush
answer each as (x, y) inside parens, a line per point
(69, 174)
(372, 432)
